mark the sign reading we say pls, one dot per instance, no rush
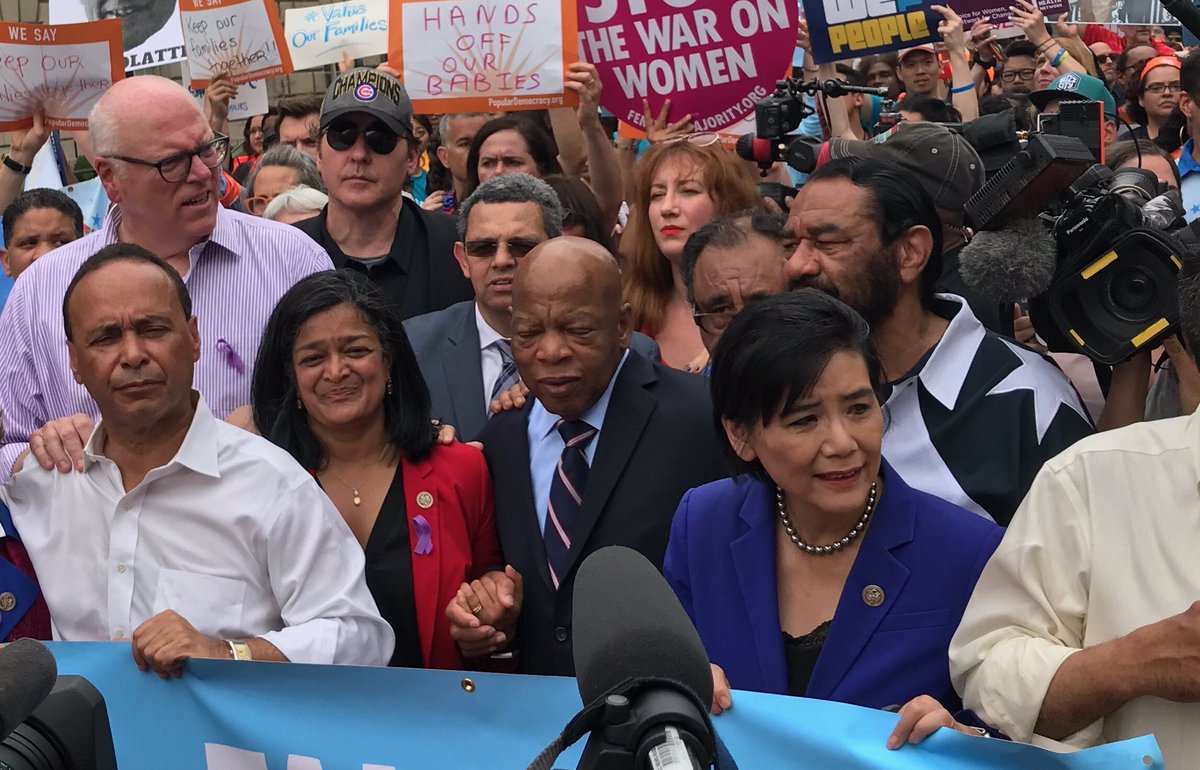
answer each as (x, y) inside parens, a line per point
(61, 68)
(844, 29)
(241, 37)
(483, 55)
(714, 59)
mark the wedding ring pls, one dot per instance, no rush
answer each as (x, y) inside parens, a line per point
(476, 610)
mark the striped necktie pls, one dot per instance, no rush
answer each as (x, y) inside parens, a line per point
(508, 372)
(566, 495)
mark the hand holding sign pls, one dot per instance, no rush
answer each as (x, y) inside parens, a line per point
(240, 37)
(951, 29)
(1032, 22)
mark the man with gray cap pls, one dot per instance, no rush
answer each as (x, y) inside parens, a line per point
(365, 148)
(950, 170)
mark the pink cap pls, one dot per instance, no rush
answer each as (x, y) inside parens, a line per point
(927, 48)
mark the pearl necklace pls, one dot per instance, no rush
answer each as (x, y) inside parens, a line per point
(821, 550)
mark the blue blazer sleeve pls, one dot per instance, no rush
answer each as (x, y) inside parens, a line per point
(23, 589)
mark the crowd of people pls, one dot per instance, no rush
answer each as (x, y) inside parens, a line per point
(234, 415)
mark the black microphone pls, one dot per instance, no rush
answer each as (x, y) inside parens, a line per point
(1186, 13)
(1011, 264)
(27, 674)
(643, 674)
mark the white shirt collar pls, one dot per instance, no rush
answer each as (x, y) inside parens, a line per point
(541, 422)
(487, 335)
(198, 452)
(946, 369)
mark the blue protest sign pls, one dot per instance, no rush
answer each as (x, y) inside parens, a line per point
(845, 29)
(226, 715)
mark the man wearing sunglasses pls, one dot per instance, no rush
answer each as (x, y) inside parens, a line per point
(160, 163)
(1106, 61)
(465, 351)
(365, 148)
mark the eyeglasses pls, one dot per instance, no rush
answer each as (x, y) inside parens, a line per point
(1137, 65)
(258, 204)
(342, 135)
(702, 139)
(1011, 76)
(488, 248)
(716, 321)
(176, 168)
(1158, 88)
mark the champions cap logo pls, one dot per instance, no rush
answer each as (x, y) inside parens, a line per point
(366, 85)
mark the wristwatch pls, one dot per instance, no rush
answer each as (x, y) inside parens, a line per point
(239, 650)
(20, 168)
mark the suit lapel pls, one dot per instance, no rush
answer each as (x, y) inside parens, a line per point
(875, 567)
(629, 410)
(754, 560)
(464, 376)
(427, 568)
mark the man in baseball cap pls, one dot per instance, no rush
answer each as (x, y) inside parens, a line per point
(918, 69)
(951, 171)
(1075, 86)
(365, 154)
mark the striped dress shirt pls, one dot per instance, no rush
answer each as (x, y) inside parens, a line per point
(235, 278)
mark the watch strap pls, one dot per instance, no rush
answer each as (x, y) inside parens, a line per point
(20, 168)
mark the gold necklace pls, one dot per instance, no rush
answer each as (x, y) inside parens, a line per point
(353, 489)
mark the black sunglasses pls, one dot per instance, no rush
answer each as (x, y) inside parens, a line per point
(488, 248)
(342, 135)
(1105, 58)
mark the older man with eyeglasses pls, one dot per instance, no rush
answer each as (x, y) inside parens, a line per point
(160, 163)
(364, 153)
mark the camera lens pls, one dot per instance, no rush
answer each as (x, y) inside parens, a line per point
(1131, 293)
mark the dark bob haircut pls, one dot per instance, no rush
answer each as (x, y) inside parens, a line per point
(124, 252)
(898, 205)
(274, 396)
(541, 146)
(773, 354)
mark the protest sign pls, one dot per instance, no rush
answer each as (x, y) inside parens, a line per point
(321, 34)
(63, 68)
(996, 11)
(150, 28)
(238, 715)
(849, 28)
(241, 37)
(250, 99)
(1120, 12)
(714, 59)
(483, 55)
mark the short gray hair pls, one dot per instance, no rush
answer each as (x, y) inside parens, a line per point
(729, 232)
(301, 199)
(515, 188)
(444, 123)
(289, 157)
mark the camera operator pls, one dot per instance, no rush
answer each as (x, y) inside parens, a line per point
(973, 415)
(1084, 626)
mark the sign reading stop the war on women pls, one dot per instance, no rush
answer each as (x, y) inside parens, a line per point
(61, 69)
(483, 55)
(714, 59)
(240, 37)
(844, 29)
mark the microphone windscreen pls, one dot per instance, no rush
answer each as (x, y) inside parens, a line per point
(1011, 264)
(27, 674)
(629, 624)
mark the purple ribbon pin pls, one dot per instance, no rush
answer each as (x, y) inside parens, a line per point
(231, 357)
(424, 545)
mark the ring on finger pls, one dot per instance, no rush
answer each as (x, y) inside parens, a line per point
(478, 608)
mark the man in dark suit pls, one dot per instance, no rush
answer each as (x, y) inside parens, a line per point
(603, 450)
(464, 350)
(365, 150)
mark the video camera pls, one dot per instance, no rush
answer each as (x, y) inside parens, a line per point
(1096, 252)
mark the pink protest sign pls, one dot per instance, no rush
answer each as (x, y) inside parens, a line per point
(712, 58)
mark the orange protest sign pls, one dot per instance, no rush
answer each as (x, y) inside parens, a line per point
(61, 68)
(241, 37)
(483, 55)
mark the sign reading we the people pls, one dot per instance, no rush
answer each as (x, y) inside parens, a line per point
(714, 59)
(483, 55)
(61, 69)
(845, 29)
(241, 37)
(322, 34)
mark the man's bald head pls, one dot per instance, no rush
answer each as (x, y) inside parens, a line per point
(140, 99)
(570, 327)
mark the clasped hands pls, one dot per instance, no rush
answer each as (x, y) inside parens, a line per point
(483, 616)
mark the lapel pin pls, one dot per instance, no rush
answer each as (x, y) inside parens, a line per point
(424, 500)
(873, 596)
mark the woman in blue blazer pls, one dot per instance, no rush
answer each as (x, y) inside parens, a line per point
(817, 571)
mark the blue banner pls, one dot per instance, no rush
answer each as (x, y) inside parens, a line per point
(225, 715)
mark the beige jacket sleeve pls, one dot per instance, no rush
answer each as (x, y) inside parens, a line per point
(1028, 613)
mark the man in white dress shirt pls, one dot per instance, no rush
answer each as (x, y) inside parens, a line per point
(187, 536)
(1084, 627)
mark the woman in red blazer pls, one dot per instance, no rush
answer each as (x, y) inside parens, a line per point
(336, 384)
